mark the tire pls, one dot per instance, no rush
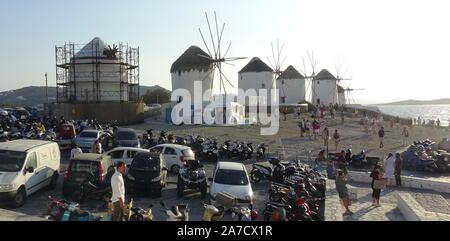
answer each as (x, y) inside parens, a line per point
(20, 198)
(175, 169)
(203, 189)
(256, 178)
(53, 182)
(180, 187)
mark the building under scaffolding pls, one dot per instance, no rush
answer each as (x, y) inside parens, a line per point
(98, 81)
(97, 72)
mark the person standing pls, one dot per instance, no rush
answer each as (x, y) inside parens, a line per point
(341, 187)
(419, 121)
(75, 151)
(405, 136)
(398, 169)
(376, 174)
(391, 123)
(337, 138)
(285, 113)
(342, 116)
(308, 129)
(118, 192)
(381, 136)
(325, 136)
(97, 147)
(438, 122)
(390, 168)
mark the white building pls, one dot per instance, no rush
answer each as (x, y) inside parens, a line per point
(190, 67)
(257, 75)
(341, 95)
(95, 76)
(324, 88)
(291, 85)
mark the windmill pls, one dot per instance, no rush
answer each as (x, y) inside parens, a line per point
(309, 77)
(277, 63)
(338, 63)
(218, 57)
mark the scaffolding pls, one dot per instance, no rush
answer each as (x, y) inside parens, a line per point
(70, 72)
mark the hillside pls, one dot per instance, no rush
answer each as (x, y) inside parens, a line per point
(34, 95)
(445, 101)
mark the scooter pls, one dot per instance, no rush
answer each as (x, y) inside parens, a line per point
(178, 212)
(69, 211)
(261, 152)
(213, 213)
(140, 214)
(261, 172)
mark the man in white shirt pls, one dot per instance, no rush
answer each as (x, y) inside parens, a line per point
(118, 192)
(75, 151)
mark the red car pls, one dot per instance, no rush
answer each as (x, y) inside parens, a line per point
(66, 135)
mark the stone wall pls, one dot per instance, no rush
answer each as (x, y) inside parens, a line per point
(413, 211)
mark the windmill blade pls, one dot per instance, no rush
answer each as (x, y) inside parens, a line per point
(229, 64)
(282, 62)
(218, 36)
(220, 40)
(270, 63)
(204, 42)
(273, 53)
(226, 52)
(225, 77)
(206, 57)
(210, 34)
(234, 58)
(279, 55)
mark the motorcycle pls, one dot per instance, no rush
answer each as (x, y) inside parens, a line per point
(261, 152)
(178, 212)
(88, 190)
(68, 211)
(213, 213)
(260, 172)
(140, 214)
(247, 151)
(192, 176)
(243, 213)
(356, 160)
(209, 152)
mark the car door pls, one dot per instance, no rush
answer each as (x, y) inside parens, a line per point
(31, 178)
(170, 157)
(44, 171)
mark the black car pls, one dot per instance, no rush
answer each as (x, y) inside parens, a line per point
(147, 174)
(88, 176)
(126, 137)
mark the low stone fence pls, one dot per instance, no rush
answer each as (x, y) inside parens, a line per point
(413, 211)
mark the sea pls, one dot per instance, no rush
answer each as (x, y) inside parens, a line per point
(426, 112)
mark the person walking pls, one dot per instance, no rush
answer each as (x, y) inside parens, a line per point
(325, 136)
(376, 174)
(438, 122)
(302, 124)
(398, 169)
(118, 192)
(391, 123)
(308, 129)
(381, 136)
(341, 187)
(405, 136)
(285, 113)
(75, 151)
(97, 147)
(337, 138)
(315, 127)
(390, 168)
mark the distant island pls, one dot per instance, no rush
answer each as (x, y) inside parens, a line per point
(445, 101)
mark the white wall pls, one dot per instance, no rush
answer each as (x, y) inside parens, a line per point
(293, 90)
(253, 80)
(341, 99)
(109, 75)
(185, 80)
(325, 90)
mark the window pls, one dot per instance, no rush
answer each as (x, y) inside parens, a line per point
(117, 154)
(169, 151)
(283, 99)
(11, 161)
(126, 135)
(263, 85)
(88, 134)
(144, 163)
(31, 161)
(231, 177)
(131, 154)
(156, 149)
(179, 72)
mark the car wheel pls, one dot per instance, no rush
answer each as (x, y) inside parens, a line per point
(20, 198)
(175, 169)
(53, 182)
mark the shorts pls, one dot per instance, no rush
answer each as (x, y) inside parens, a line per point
(343, 194)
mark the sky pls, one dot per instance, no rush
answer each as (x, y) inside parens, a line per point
(394, 50)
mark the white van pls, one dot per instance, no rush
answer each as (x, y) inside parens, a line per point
(27, 166)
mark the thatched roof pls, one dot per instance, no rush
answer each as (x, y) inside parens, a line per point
(291, 73)
(324, 75)
(190, 60)
(256, 65)
(340, 89)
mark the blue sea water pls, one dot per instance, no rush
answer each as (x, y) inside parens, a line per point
(426, 112)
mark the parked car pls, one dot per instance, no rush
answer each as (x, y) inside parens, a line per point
(66, 136)
(147, 173)
(27, 166)
(124, 154)
(88, 176)
(232, 178)
(86, 139)
(126, 137)
(174, 155)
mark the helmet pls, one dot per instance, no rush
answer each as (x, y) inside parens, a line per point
(254, 215)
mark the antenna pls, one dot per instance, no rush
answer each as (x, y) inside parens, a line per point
(217, 58)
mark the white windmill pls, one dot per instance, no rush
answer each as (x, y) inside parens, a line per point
(343, 87)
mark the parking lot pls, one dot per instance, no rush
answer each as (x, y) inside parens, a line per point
(37, 204)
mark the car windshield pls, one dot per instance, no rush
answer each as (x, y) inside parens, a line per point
(145, 164)
(231, 177)
(11, 161)
(88, 134)
(125, 135)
